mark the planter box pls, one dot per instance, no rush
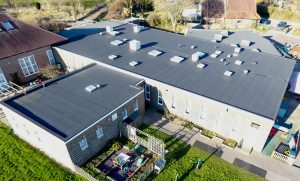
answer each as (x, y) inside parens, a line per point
(226, 146)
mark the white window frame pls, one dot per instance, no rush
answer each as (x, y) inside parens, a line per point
(159, 97)
(99, 132)
(85, 145)
(173, 101)
(202, 114)
(136, 105)
(51, 57)
(2, 74)
(114, 116)
(28, 65)
(147, 92)
(124, 116)
(188, 106)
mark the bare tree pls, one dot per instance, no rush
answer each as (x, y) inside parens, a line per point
(172, 9)
(212, 9)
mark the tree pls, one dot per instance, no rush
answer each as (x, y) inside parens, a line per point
(212, 9)
(142, 4)
(172, 9)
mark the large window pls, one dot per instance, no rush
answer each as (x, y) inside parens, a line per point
(136, 105)
(159, 96)
(173, 103)
(83, 144)
(99, 132)
(124, 113)
(51, 57)
(187, 107)
(2, 78)
(28, 65)
(147, 92)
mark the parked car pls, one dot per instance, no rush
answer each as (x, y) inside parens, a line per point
(282, 25)
(264, 21)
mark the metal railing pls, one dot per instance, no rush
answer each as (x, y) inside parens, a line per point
(283, 158)
(84, 173)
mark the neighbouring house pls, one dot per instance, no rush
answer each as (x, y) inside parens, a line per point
(295, 51)
(24, 50)
(73, 117)
(191, 15)
(232, 90)
(241, 13)
(244, 38)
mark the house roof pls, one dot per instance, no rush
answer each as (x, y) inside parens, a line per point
(260, 91)
(241, 9)
(64, 108)
(235, 37)
(23, 37)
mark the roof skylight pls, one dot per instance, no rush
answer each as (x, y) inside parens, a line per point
(133, 63)
(116, 42)
(228, 73)
(112, 57)
(197, 56)
(155, 53)
(239, 62)
(214, 55)
(176, 59)
(8, 25)
(201, 65)
(237, 50)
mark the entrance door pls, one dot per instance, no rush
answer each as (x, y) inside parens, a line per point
(251, 138)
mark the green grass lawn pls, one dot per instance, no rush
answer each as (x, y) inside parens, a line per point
(180, 161)
(20, 161)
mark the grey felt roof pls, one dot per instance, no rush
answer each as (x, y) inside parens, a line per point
(260, 91)
(258, 41)
(65, 108)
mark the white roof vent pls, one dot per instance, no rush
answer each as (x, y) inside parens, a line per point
(90, 88)
(134, 45)
(112, 57)
(234, 45)
(155, 53)
(137, 29)
(201, 65)
(237, 50)
(193, 47)
(229, 55)
(133, 63)
(117, 42)
(239, 62)
(197, 56)
(218, 52)
(228, 73)
(109, 29)
(218, 37)
(214, 55)
(102, 33)
(222, 59)
(225, 33)
(176, 59)
(246, 71)
(246, 43)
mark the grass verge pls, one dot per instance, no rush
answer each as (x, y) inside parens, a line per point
(20, 161)
(180, 160)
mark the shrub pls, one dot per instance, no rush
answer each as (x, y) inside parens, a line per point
(153, 20)
(116, 145)
(208, 133)
(229, 142)
(187, 124)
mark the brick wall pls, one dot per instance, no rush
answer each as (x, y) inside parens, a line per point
(11, 64)
(111, 129)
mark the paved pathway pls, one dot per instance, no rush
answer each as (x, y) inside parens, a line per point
(256, 162)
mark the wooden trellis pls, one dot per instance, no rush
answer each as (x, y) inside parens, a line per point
(144, 139)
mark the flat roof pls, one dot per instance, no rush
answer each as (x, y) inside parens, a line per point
(260, 91)
(235, 37)
(64, 108)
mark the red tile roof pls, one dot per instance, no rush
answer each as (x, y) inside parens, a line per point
(241, 9)
(23, 38)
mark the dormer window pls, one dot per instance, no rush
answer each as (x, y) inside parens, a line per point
(8, 25)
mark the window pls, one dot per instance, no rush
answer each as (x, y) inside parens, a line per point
(114, 116)
(202, 113)
(124, 113)
(28, 65)
(83, 144)
(51, 57)
(159, 96)
(147, 88)
(173, 104)
(254, 125)
(187, 107)
(99, 132)
(2, 78)
(136, 105)
(8, 25)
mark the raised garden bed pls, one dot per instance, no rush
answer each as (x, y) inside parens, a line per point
(230, 143)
